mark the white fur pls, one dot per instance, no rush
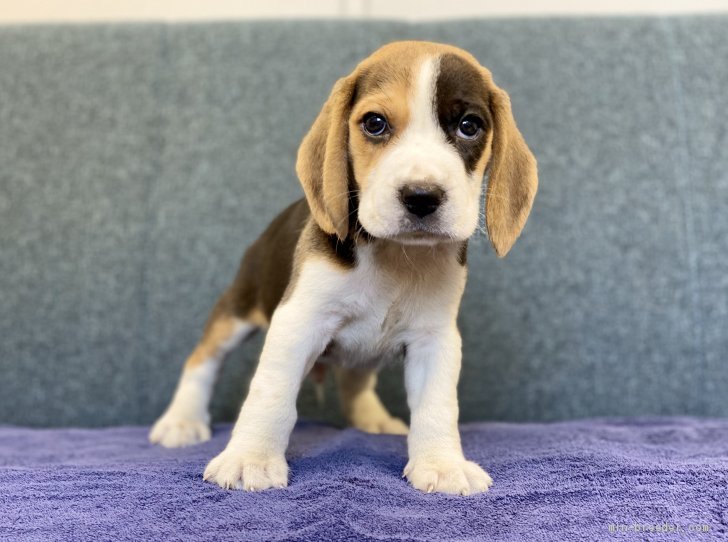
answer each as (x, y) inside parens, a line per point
(300, 329)
(436, 460)
(422, 154)
(187, 420)
(390, 299)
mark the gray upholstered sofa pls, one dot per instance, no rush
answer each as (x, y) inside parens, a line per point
(137, 162)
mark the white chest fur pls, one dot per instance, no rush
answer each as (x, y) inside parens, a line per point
(393, 294)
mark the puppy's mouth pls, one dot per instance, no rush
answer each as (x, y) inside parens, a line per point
(421, 236)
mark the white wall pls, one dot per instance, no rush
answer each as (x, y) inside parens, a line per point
(33, 11)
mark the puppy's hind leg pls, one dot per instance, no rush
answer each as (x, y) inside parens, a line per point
(361, 405)
(187, 420)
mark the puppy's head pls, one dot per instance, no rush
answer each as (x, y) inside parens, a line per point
(403, 144)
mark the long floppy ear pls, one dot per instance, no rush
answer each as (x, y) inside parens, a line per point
(322, 164)
(513, 176)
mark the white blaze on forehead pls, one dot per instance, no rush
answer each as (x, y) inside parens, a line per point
(423, 119)
(422, 153)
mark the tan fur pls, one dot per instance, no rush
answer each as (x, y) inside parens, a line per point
(361, 405)
(391, 101)
(386, 81)
(322, 162)
(351, 383)
(513, 179)
(413, 264)
(218, 332)
(258, 318)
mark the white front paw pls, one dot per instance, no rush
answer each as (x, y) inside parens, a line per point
(234, 469)
(172, 431)
(456, 476)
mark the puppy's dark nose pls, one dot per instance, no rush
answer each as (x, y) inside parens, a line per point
(421, 200)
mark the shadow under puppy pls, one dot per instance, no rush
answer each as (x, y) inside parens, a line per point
(372, 262)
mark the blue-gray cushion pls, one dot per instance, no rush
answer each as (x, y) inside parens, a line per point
(139, 161)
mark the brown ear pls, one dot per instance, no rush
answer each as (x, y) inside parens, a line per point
(512, 179)
(322, 164)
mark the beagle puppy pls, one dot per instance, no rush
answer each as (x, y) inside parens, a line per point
(370, 265)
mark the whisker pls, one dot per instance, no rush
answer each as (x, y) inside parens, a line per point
(407, 258)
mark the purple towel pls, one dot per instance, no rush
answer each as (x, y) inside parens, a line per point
(608, 479)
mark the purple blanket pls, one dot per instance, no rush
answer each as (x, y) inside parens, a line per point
(609, 479)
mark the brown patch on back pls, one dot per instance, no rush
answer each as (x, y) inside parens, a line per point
(314, 242)
(270, 266)
(266, 268)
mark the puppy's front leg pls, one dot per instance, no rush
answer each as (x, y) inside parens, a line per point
(436, 460)
(254, 459)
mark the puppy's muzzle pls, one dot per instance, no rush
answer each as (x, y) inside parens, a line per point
(421, 200)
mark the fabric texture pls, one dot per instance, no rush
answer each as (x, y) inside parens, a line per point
(557, 482)
(138, 161)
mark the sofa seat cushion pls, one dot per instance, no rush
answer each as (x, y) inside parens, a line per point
(579, 480)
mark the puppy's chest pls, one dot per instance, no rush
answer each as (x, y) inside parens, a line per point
(384, 308)
(390, 298)
(376, 330)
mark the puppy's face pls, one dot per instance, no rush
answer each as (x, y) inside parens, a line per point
(403, 144)
(419, 141)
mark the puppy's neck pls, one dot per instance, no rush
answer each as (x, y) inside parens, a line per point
(393, 256)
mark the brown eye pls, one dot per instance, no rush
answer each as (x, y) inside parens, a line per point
(375, 125)
(469, 127)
